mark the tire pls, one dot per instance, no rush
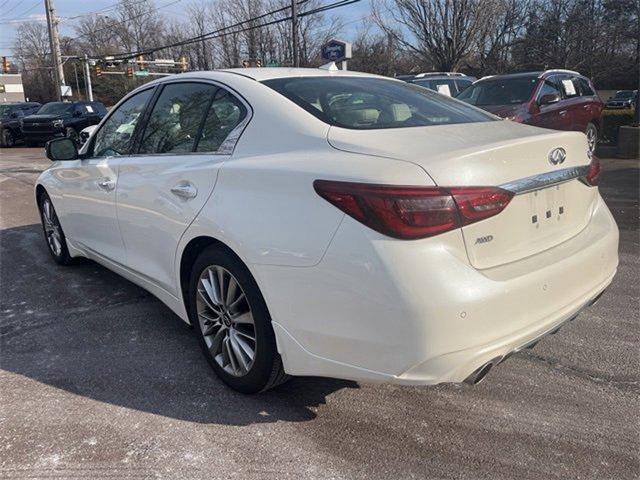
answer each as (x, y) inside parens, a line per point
(73, 134)
(8, 140)
(592, 136)
(224, 326)
(53, 234)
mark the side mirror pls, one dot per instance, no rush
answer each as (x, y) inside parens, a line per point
(549, 98)
(61, 149)
(77, 113)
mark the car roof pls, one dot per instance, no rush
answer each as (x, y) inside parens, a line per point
(268, 73)
(443, 77)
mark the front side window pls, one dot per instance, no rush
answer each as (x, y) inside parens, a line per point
(500, 91)
(176, 119)
(116, 135)
(549, 87)
(373, 103)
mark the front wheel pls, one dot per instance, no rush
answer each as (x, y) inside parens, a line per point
(53, 234)
(8, 139)
(232, 322)
(592, 136)
(73, 134)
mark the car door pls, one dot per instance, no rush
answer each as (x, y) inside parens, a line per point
(162, 188)
(553, 115)
(89, 184)
(573, 103)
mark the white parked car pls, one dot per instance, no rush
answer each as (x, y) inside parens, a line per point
(330, 223)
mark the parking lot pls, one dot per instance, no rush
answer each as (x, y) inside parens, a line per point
(98, 379)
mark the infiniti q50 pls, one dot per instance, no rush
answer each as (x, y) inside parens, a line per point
(316, 222)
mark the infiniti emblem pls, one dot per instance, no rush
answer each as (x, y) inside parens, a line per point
(557, 156)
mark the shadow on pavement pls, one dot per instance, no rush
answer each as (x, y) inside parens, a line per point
(86, 330)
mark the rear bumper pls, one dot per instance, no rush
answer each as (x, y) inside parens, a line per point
(378, 309)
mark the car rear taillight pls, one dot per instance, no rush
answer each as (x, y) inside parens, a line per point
(413, 212)
(593, 174)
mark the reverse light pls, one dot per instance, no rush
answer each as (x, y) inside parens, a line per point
(408, 212)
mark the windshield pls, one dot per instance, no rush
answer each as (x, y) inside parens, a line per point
(625, 94)
(55, 108)
(373, 103)
(506, 91)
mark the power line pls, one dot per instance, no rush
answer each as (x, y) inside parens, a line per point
(20, 2)
(221, 31)
(106, 9)
(126, 20)
(20, 18)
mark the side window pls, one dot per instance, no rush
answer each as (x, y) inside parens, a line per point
(114, 138)
(225, 113)
(176, 118)
(462, 84)
(585, 88)
(570, 87)
(549, 86)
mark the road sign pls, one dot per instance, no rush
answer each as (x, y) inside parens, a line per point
(141, 73)
(65, 90)
(336, 50)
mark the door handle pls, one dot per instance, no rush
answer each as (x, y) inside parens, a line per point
(563, 112)
(106, 184)
(185, 190)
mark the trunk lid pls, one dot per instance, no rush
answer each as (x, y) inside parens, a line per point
(499, 153)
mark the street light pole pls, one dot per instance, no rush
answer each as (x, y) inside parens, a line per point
(87, 78)
(54, 43)
(294, 33)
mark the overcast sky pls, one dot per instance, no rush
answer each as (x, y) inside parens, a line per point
(14, 12)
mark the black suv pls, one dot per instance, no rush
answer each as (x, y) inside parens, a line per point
(10, 115)
(60, 119)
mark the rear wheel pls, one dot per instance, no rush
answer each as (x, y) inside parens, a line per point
(53, 234)
(232, 322)
(592, 136)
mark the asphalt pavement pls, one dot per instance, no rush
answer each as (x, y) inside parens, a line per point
(99, 380)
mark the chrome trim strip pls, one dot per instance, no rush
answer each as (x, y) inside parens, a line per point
(544, 180)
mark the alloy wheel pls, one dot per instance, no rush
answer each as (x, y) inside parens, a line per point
(52, 227)
(226, 320)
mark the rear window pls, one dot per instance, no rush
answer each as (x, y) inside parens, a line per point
(373, 103)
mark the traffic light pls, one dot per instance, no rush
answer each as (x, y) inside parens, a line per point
(129, 72)
(5, 65)
(258, 63)
(98, 71)
(140, 62)
(183, 63)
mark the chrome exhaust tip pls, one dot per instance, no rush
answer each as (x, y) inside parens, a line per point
(481, 372)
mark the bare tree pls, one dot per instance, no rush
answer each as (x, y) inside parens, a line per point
(32, 53)
(441, 33)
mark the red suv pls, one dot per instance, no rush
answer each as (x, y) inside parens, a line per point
(558, 99)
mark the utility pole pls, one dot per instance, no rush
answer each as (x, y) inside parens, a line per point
(54, 43)
(87, 78)
(294, 33)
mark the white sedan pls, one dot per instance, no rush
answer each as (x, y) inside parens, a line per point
(314, 222)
